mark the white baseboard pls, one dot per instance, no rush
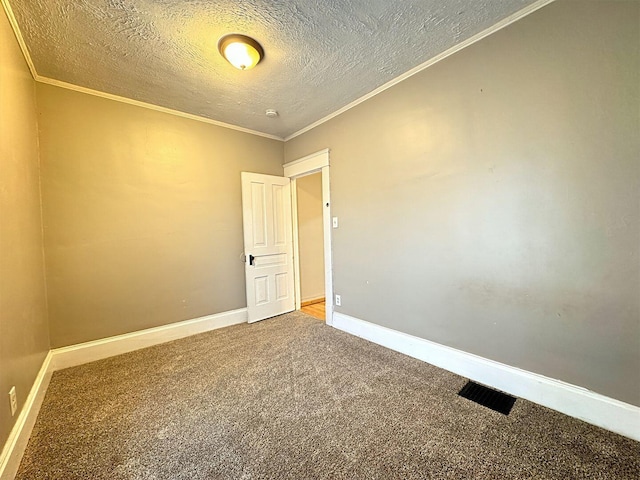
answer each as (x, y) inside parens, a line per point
(569, 399)
(74, 355)
(313, 298)
(19, 436)
(108, 347)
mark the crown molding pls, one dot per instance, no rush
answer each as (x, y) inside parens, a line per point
(18, 33)
(456, 48)
(151, 106)
(77, 88)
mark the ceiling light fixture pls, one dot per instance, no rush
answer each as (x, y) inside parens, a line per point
(240, 51)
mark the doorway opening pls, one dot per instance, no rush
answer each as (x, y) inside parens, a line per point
(306, 287)
(310, 244)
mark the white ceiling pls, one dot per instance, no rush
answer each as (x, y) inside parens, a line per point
(319, 55)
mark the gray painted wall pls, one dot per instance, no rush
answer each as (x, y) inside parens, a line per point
(310, 236)
(142, 214)
(24, 331)
(491, 202)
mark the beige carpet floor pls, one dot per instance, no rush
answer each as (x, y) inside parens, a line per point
(292, 398)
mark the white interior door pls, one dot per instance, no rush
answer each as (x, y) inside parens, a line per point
(268, 247)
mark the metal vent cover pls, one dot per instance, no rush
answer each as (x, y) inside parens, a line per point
(488, 397)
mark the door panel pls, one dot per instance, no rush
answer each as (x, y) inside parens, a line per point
(268, 245)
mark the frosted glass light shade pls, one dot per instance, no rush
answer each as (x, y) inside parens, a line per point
(240, 51)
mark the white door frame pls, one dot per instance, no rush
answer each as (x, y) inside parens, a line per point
(316, 162)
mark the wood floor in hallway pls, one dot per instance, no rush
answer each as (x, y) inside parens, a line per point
(314, 309)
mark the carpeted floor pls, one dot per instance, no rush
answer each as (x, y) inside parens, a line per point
(292, 398)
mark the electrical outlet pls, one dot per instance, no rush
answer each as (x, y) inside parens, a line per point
(13, 400)
(338, 301)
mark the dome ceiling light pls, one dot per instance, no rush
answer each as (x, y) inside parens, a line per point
(240, 51)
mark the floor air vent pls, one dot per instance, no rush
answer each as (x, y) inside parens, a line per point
(488, 397)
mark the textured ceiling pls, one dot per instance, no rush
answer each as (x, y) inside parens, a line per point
(319, 55)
